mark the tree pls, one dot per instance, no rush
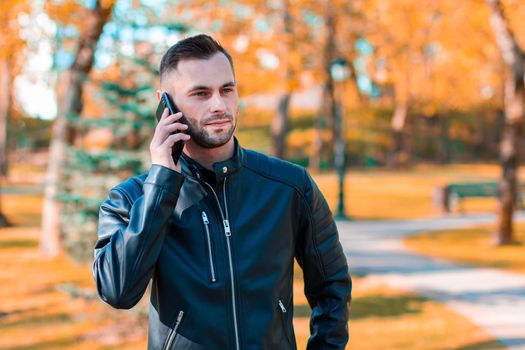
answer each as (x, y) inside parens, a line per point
(11, 51)
(514, 103)
(281, 119)
(434, 62)
(329, 107)
(402, 51)
(280, 54)
(342, 27)
(117, 121)
(93, 21)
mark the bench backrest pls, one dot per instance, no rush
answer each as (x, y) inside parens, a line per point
(482, 189)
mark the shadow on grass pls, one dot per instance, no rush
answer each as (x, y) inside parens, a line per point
(374, 306)
(302, 310)
(4, 314)
(486, 345)
(18, 243)
(385, 306)
(60, 343)
(36, 321)
(358, 274)
(24, 219)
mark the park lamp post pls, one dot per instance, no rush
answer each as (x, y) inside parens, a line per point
(339, 72)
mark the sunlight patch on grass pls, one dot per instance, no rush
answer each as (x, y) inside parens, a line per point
(384, 318)
(404, 194)
(471, 246)
(381, 318)
(18, 243)
(22, 210)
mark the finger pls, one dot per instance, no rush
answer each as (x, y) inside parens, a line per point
(165, 113)
(162, 135)
(175, 127)
(159, 135)
(163, 132)
(172, 139)
(170, 118)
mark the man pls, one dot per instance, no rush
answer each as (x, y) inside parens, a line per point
(218, 231)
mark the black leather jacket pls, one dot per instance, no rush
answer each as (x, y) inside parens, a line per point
(222, 258)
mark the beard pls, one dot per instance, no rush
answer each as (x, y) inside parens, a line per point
(204, 138)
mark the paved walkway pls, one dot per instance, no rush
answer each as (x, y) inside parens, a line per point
(491, 298)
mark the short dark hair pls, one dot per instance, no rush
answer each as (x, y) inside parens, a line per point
(200, 46)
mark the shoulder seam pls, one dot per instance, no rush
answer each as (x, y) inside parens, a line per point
(121, 189)
(268, 176)
(308, 207)
(123, 193)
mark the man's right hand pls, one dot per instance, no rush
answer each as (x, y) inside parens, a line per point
(164, 139)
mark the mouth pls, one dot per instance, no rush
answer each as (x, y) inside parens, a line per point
(219, 122)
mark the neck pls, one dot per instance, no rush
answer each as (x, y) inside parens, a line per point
(209, 156)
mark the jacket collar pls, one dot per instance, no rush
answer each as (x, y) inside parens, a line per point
(220, 169)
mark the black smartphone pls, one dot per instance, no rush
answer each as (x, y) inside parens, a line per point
(167, 102)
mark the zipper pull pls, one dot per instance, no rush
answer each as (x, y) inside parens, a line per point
(205, 218)
(227, 230)
(281, 305)
(179, 317)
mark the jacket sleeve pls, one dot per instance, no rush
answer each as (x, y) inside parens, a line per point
(327, 284)
(131, 234)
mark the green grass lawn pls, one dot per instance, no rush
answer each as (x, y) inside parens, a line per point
(379, 194)
(384, 318)
(472, 246)
(37, 312)
(404, 194)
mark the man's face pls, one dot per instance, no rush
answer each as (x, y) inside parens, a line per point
(206, 93)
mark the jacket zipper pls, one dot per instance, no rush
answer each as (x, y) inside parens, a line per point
(285, 328)
(281, 305)
(206, 226)
(173, 331)
(228, 233)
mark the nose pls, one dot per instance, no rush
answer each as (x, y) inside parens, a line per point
(217, 104)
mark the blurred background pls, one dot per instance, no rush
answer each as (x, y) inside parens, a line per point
(404, 111)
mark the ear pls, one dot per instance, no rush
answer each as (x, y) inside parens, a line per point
(158, 93)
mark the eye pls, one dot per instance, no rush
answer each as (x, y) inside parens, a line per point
(199, 93)
(227, 90)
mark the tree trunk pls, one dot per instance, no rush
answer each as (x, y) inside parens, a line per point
(330, 54)
(4, 114)
(329, 103)
(514, 100)
(317, 145)
(280, 126)
(280, 122)
(399, 154)
(509, 156)
(444, 139)
(70, 103)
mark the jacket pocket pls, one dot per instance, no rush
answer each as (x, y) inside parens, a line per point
(173, 331)
(286, 328)
(206, 223)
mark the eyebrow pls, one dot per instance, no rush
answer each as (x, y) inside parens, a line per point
(203, 87)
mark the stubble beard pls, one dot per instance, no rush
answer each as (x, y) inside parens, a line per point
(202, 137)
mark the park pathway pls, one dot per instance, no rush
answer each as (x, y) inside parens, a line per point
(491, 298)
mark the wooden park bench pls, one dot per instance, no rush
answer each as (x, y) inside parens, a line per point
(449, 197)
